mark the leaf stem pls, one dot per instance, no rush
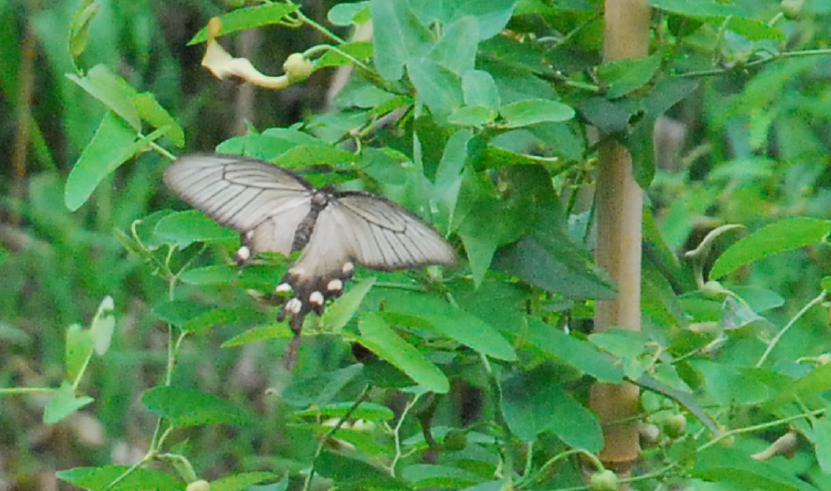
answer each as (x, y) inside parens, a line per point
(819, 298)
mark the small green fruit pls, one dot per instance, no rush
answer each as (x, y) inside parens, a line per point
(604, 480)
(297, 67)
(200, 485)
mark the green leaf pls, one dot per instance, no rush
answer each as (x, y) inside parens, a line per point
(139, 479)
(438, 87)
(429, 476)
(625, 76)
(154, 113)
(321, 154)
(64, 404)
(343, 309)
(550, 260)
(700, 8)
(532, 111)
(186, 407)
(580, 354)
(356, 474)
(472, 116)
(736, 469)
(220, 317)
(247, 18)
(399, 37)
(492, 15)
(209, 275)
(450, 321)
(366, 410)
(242, 481)
(361, 50)
(79, 347)
(186, 227)
(535, 402)
(785, 235)
(321, 389)
(103, 326)
(178, 312)
(821, 436)
(112, 145)
(79, 27)
(344, 14)
(113, 91)
(260, 333)
(480, 89)
(377, 336)
(456, 49)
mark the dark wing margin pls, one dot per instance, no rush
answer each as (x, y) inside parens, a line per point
(263, 202)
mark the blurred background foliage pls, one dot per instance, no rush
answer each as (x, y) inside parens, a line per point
(750, 146)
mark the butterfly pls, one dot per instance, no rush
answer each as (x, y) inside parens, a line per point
(276, 210)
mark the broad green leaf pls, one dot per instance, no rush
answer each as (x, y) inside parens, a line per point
(439, 316)
(343, 309)
(456, 49)
(154, 113)
(320, 154)
(79, 347)
(492, 15)
(366, 410)
(377, 336)
(532, 111)
(344, 14)
(112, 145)
(472, 116)
(356, 474)
(480, 89)
(821, 437)
(580, 354)
(429, 476)
(113, 91)
(178, 312)
(218, 317)
(321, 389)
(260, 333)
(553, 262)
(64, 404)
(242, 481)
(209, 275)
(734, 468)
(480, 251)
(731, 385)
(785, 235)
(140, 479)
(535, 402)
(625, 76)
(186, 227)
(700, 8)
(247, 18)
(186, 407)
(399, 37)
(439, 88)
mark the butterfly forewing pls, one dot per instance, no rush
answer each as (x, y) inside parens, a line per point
(263, 202)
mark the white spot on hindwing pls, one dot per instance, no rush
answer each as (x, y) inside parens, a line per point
(293, 306)
(348, 268)
(316, 298)
(242, 255)
(283, 288)
(335, 285)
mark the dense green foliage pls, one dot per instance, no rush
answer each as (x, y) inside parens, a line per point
(135, 355)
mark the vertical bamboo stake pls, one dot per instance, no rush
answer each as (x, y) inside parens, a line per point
(619, 209)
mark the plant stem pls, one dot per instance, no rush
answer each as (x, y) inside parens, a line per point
(819, 298)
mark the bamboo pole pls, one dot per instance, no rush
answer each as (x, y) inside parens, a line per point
(619, 212)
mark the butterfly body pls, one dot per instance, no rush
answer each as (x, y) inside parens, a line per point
(276, 210)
